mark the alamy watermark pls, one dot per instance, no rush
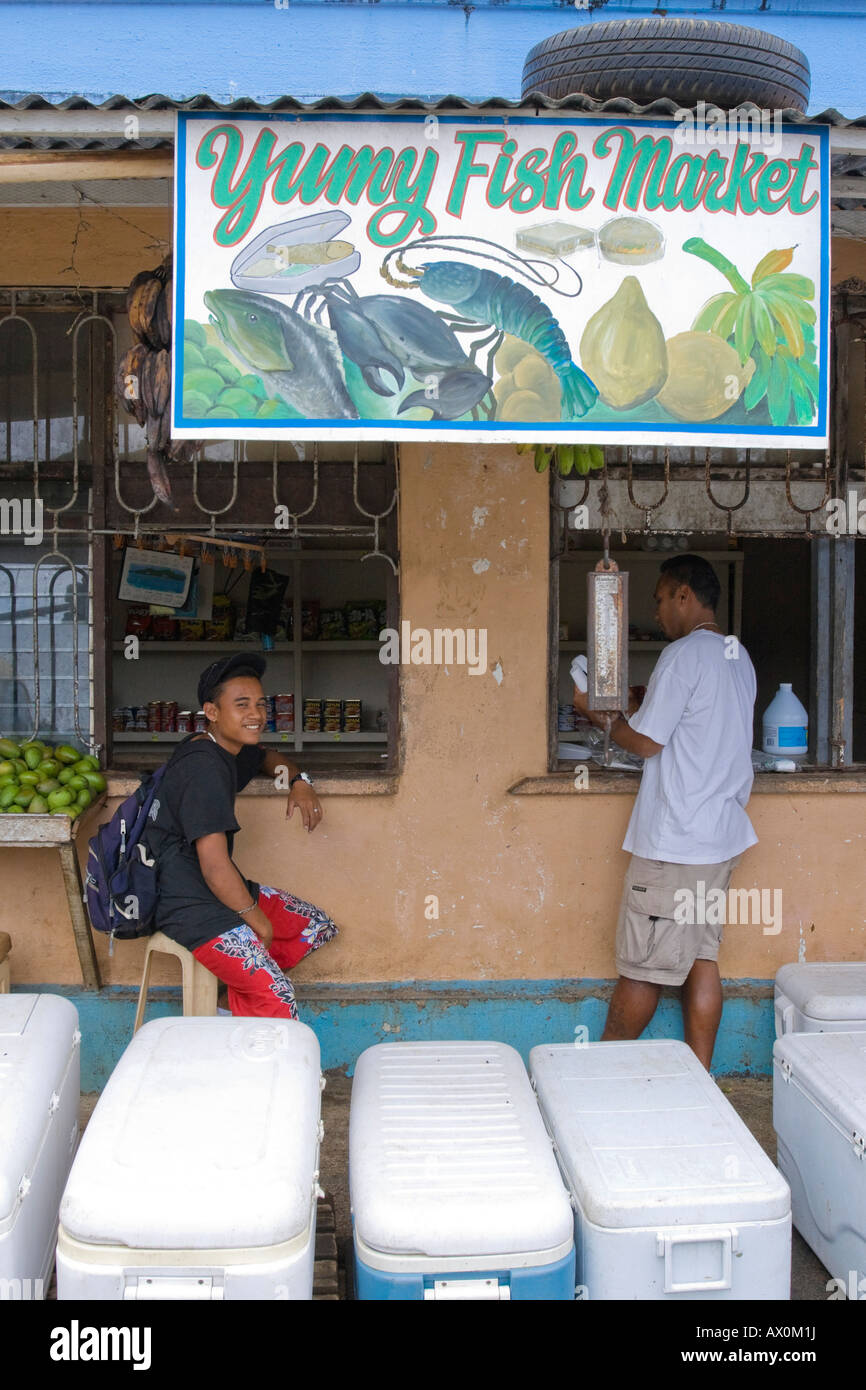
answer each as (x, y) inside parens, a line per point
(77, 1343)
(711, 125)
(22, 517)
(853, 1288)
(438, 646)
(738, 906)
(846, 516)
(21, 1290)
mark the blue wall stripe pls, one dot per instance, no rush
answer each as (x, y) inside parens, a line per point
(349, 1018)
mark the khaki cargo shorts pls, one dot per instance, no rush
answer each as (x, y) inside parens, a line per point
(650, 943)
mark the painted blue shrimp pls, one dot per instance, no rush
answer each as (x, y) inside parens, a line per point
(512, 308)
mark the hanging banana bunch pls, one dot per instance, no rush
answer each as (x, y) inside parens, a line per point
(566, 458)
(143, 381)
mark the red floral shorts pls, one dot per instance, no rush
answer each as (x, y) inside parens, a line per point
(257, 985)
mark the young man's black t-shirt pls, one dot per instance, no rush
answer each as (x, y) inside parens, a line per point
(197, 797)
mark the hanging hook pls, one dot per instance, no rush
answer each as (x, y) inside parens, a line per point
(647, 507)
(807, 512)
(723, 507)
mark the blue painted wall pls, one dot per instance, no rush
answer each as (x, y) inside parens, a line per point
(306, 49)
(349, 1018)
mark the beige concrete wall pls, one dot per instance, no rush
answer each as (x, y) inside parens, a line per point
(528, 886)
(87, 247)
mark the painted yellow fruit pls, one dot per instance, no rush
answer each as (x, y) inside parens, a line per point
(509, 354)
(523, 405)
(533, 374)
(503, 387)
(623, 349)
(705, 377)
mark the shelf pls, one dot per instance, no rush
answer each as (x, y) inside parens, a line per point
(366, 736)
(342, 645)
(632, 646)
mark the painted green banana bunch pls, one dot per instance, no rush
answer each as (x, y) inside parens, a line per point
(566, 458)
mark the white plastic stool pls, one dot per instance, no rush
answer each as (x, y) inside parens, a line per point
(199, 985)
(5, 948)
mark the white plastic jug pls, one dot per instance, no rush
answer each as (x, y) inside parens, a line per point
(786, 724)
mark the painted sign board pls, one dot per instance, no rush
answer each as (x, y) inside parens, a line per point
(514, 277)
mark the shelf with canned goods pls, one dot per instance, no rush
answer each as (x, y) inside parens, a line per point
(323, 644)
(364, 736)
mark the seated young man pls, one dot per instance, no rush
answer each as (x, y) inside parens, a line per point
(246, 934)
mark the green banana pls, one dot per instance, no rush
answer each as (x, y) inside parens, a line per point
(542, 458)
(565, 459)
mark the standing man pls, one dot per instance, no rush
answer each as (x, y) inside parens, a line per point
(689, 822)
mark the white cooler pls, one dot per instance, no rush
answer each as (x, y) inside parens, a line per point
(673, 1197)
(40, 1068)
(819, 1114)
(824, 997)
(197, 1176)
(455, 1191)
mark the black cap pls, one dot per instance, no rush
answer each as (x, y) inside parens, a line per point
(219, 671)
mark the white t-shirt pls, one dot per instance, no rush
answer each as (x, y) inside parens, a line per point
(690, 808)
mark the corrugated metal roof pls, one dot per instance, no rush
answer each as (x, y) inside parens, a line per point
(616, 106)
(368, 101)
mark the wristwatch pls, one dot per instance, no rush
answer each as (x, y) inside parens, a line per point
(301, 777)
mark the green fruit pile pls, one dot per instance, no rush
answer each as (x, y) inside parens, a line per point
(41, 780)
(213, 388)
(566, 458)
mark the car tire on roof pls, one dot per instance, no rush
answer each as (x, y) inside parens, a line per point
(686, 60)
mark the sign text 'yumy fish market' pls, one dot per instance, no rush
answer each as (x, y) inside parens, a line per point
(529, 278)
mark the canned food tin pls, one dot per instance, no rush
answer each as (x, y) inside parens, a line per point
(199, 722)
(284, 723)
(352, 724)
(141, 720)
(118, 719)
(352, 709)
(285, 704)
(312, 716)
(184, 721)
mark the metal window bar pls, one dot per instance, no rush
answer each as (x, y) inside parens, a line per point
(55, 628)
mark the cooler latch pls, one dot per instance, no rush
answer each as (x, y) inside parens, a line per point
(467, 1290)
(786, 1069)
(144, 1288)
(859, 1142)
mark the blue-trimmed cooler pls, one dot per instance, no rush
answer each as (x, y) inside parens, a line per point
(454, 1186)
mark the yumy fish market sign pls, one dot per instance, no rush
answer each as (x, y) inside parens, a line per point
(529, 277)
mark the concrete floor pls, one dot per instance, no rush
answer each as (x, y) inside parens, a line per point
(751, 1097)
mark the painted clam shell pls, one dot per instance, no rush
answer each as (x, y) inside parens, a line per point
(318, 227)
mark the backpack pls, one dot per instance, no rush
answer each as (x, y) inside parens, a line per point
(120, 885)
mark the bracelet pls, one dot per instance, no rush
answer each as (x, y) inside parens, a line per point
(242, 911)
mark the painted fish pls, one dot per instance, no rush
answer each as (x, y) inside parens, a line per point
(386, 333)
(498, 300)
(297, 360)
